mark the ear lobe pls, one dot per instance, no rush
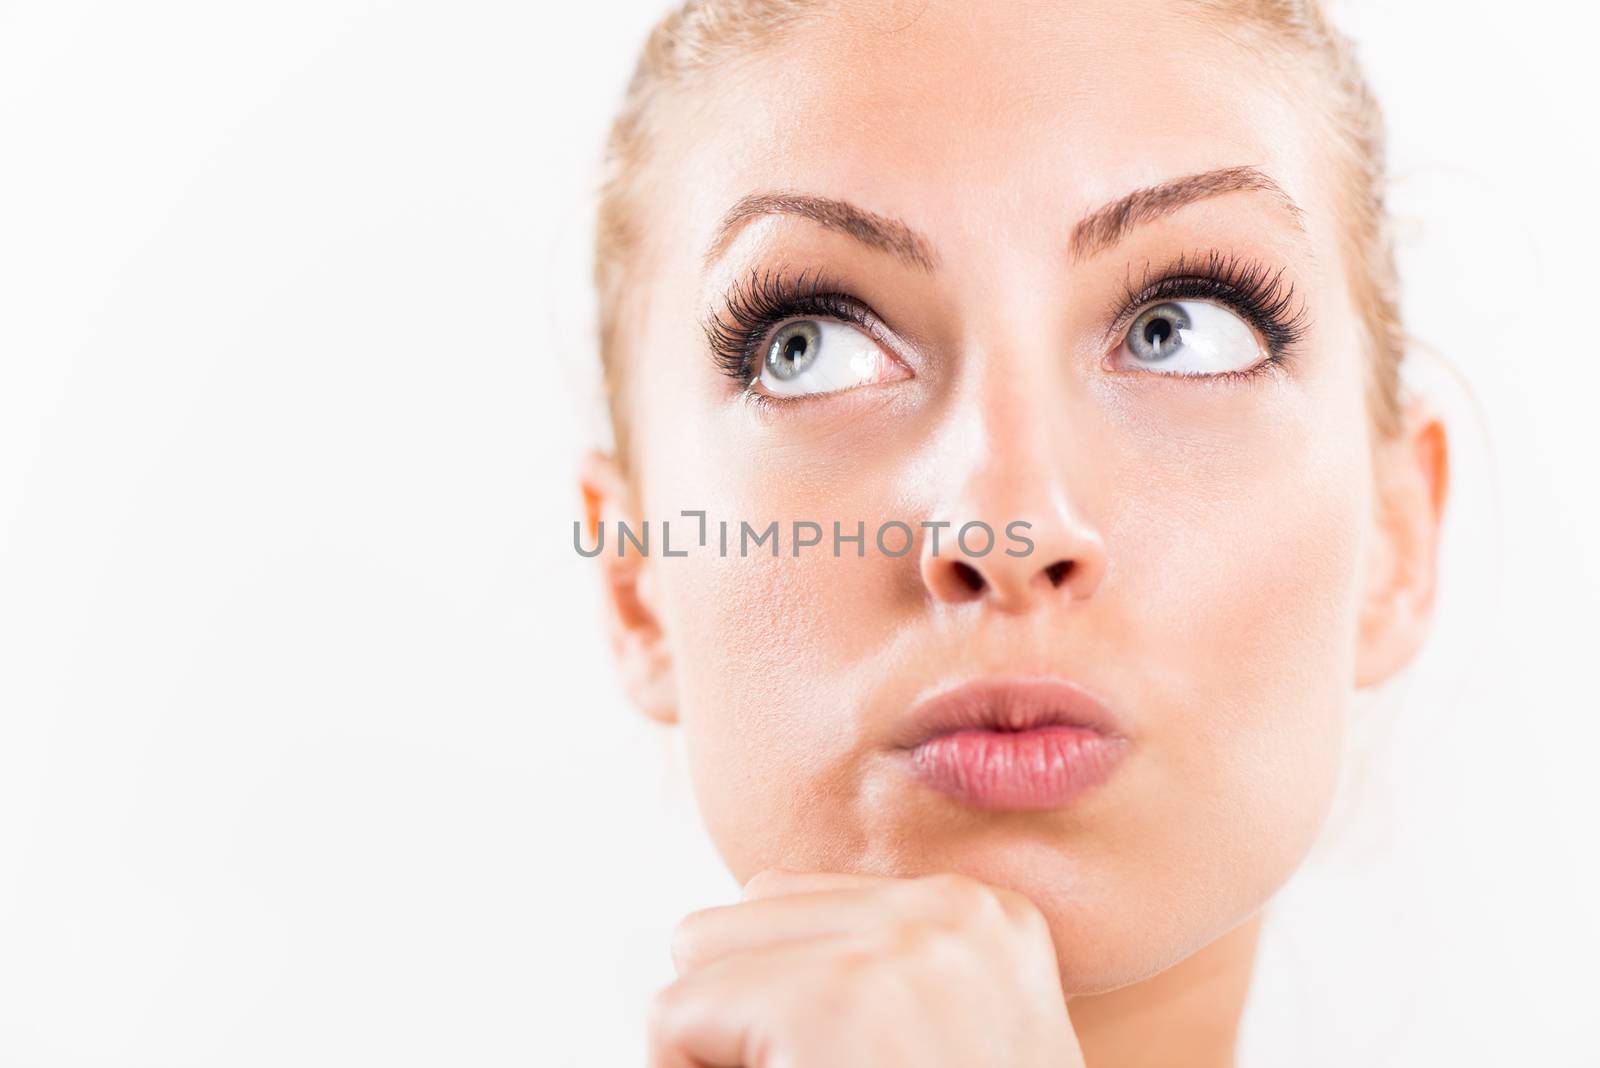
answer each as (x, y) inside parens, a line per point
(638, 641)
(1413, 487)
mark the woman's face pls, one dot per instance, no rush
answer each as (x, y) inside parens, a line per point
(1215, 530)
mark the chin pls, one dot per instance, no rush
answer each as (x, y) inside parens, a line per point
(1116, 917)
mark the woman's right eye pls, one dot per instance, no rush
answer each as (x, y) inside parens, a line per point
(811, 356)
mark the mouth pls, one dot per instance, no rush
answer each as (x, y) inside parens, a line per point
(1011, 744)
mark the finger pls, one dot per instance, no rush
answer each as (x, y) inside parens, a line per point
(943, 892)
(710, 934)
(772, 882)
(724, 1014)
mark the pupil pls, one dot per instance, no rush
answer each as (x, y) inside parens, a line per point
(1156, 332)
(794, 348)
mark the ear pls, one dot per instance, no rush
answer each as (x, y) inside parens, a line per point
(1413, 475)
(637, 639)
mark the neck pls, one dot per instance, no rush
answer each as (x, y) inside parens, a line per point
(1188, 1014)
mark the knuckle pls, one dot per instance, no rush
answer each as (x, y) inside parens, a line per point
(889, 975)
(860, 966)
(948, 882)
(932, 945)
(1024, 914)
(960, 900)
(763, 882)
(664, 1013)
(685, 942)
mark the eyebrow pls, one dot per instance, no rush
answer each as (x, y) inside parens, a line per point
(1104, 227)
(1094, 233)
(876, 231)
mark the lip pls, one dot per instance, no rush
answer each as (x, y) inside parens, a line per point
(1012, 744)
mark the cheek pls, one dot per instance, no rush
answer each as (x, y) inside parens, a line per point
(1230, 604)
(1238, 567)
(1243, 568)
(772, 656)
(774, 660)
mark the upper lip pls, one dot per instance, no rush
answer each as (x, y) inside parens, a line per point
(1009, 704)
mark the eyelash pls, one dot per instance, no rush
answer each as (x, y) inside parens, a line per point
(764, 299)
(754, 305)
(1262, 295)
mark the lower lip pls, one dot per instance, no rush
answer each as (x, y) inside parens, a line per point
(1045, 767)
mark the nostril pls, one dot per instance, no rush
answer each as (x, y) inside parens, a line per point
(969, 575)
(1058, 572)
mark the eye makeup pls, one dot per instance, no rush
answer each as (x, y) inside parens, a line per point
(757, 303)
(1261, 295)
(737, 332)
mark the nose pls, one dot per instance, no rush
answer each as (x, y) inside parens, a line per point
(1016, 529)
(1015, 564)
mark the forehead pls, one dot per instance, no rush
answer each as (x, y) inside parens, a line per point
(992, 120)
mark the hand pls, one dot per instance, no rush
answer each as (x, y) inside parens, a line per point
(819, 970)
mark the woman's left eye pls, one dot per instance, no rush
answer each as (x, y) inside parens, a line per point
(807, 356)
(1189, 337)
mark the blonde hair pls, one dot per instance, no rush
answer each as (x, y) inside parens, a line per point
(699, 35)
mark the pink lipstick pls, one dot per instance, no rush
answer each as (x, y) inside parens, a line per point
(1012, 744)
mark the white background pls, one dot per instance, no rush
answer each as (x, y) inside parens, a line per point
(309, 749)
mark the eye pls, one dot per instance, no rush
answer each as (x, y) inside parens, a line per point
(1189, 337)
(807, 356)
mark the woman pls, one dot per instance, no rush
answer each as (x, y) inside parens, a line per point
(1054, 347)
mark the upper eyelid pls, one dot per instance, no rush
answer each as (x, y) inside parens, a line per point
(822, 290)
(1206, 267)
(870, 322)
(1238, 275)
(1128, 308)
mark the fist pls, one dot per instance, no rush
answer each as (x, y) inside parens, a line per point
(821, 970)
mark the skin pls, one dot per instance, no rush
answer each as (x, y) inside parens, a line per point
(1244, 553)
